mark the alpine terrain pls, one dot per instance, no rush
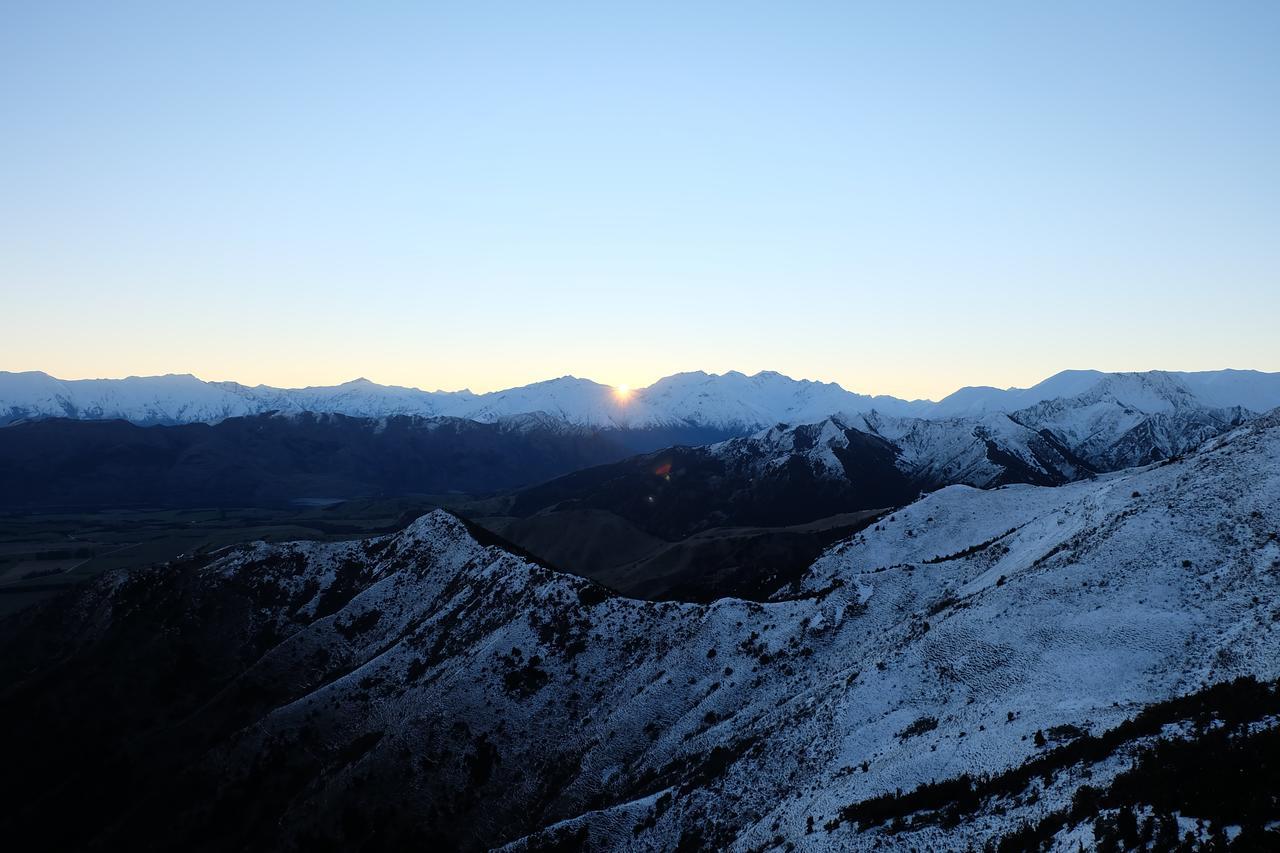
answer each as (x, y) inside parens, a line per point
(1016, 667)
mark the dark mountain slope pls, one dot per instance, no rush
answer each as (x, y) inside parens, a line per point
(677, 492)
(695, 523)
(272, 460)
(734, 517)
(732, 561)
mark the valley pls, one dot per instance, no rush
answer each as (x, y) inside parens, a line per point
(43, 554)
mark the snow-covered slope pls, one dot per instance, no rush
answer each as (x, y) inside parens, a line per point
(731, 401)
(929, 453)
(451, 694)
(979, 400)
(1128, 419)
(1249, 389)
(143, 399)
(174, 399)
(362, 398)
(1119, 421)
(1148, 392)
(981, 451)
(765, 399)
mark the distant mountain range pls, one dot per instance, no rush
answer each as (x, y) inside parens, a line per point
(783, 474)
(731, 402)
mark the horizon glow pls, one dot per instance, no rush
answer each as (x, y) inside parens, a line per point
(903, 199)
(622, 394)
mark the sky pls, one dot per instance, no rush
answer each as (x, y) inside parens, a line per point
(902, 197)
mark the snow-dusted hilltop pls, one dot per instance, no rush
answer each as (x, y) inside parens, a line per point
(1152, 391)
(731, 401)
(1013, 651)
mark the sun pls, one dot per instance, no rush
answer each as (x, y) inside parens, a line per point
(622, 392)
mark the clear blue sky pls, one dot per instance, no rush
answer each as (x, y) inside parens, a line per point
(902, 197)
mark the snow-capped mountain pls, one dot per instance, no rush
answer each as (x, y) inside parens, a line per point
(767, 398)
(978, 400)
(1131, 419)
(144, 400)
(730, 402)
(1119, 421)
(362, 398)
(989, 450)
(982, 452)
(981, 665)
(1152, 391)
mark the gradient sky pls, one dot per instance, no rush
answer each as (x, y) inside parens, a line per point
(902, 197)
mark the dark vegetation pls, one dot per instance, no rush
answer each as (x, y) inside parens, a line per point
(924, 725)
(1227, 773)
(971, 550)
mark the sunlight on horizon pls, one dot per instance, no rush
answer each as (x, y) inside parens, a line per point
(904, 204)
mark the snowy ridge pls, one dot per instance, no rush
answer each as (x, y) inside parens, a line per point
(1131, 419)
(980, 452)
(730, 401)
(1150, 392)
(497, 699)
(1120, 421)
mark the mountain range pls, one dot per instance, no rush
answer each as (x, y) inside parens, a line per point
(729, 402)
(1027, 667)
(701, 512)
(734, 516)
